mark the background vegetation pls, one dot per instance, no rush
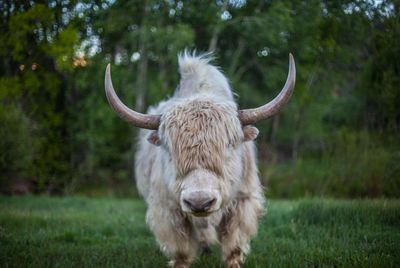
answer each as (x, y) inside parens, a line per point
(338, 136)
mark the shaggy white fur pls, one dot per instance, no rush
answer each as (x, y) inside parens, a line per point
(202, 148)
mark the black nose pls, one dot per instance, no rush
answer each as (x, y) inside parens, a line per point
(199, 205)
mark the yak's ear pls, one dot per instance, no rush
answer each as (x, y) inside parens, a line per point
(153, 138)
(250, 133)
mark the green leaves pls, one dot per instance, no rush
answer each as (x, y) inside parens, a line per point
(53, 55)
(31, 26)
(64, 48)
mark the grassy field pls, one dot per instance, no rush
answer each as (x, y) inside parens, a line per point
(101, 232)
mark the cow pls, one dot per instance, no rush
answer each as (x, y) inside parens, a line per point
(196, 163)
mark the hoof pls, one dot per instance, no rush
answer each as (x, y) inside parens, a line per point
(206, 251)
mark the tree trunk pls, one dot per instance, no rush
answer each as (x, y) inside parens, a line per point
(296, 135)
(141, 84)
(214, 39)
(235, 57)
(274, 129)
(141, 81)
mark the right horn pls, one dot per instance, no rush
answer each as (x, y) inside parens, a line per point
(148, 121)
(251, 116)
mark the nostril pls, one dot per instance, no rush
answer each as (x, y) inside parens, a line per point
(199, 205)
(207, 205)
(187, 203)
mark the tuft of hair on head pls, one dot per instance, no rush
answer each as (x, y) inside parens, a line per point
(191, 62)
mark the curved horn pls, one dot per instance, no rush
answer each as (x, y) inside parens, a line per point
(148, 121)
(251, 116)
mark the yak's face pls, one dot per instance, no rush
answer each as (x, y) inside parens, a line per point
(203, 142)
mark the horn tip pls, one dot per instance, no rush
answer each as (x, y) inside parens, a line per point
(107, 79)
(291, 56)
(292, 67)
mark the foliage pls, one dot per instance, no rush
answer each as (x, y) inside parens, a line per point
(16, 141)
(76, 231)
(352, 165)
(338, 136)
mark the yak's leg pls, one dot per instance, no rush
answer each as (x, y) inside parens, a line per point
(174, 235)
(240, 222)
(235, 259)
(237, 228)
(234, 248)
(180, 261)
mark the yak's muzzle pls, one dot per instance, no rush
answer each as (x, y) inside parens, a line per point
(200, 203)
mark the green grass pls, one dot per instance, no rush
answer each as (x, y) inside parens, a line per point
(101, 232)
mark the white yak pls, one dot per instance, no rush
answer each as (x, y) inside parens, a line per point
(196, 163)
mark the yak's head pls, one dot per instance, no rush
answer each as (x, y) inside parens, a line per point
(202, 139)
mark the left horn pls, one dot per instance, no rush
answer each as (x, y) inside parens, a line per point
(147, 121)
(251, 116)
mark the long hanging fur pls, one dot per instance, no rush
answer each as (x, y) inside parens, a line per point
(200, 138)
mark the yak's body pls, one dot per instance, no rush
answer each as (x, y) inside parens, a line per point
(202, 146)
(196, 164)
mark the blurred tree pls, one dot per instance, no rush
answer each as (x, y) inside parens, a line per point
(38, 44)
(59, 132)
(379, 87)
